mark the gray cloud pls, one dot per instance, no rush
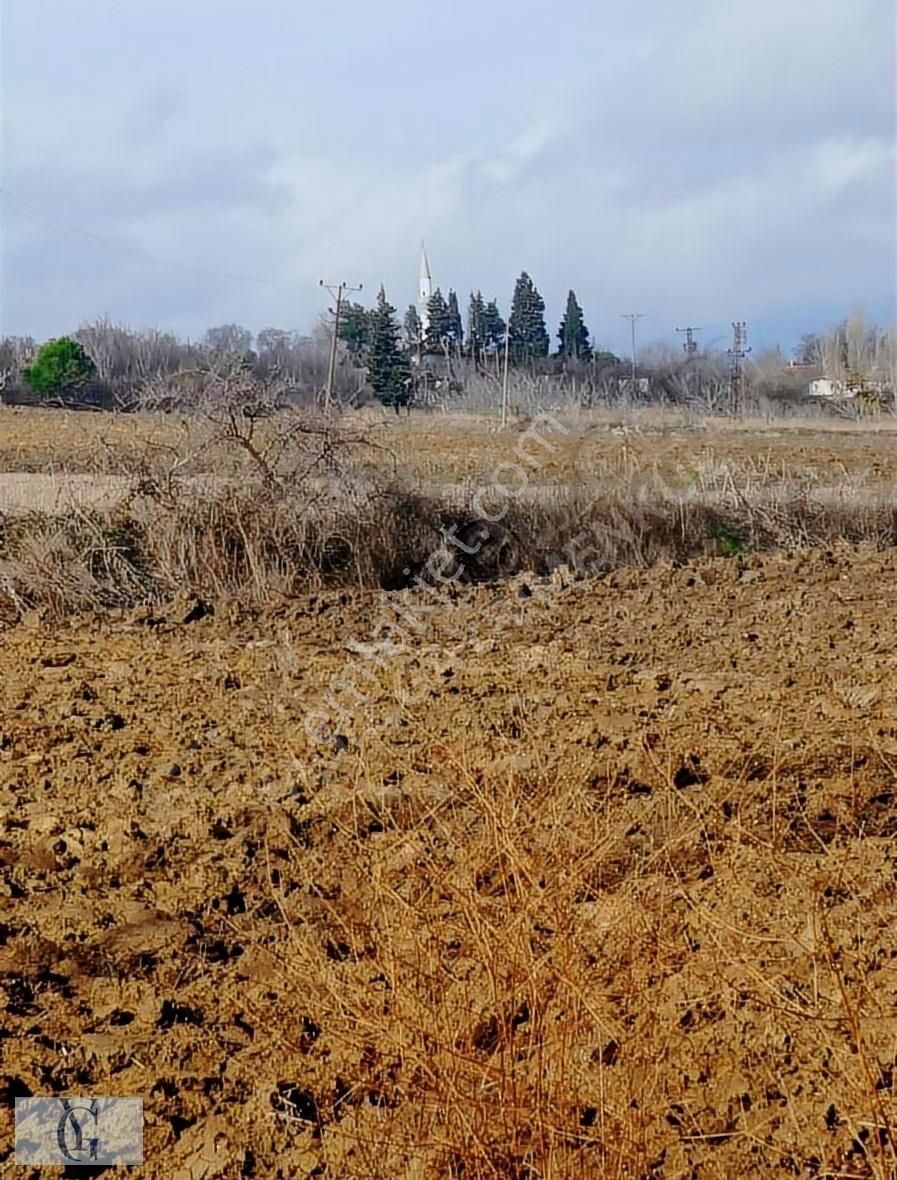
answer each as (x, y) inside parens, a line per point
(707, 161)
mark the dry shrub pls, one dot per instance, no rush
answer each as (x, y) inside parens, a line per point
(505, 979)
(71, 563)
(242, 499)
(464, 1036)
(252, 543)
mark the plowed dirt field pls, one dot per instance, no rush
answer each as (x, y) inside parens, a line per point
(596, 878)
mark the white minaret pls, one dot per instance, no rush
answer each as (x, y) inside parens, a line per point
(425, 289)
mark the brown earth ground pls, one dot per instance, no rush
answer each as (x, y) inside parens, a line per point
(457, 448)
(598, 881)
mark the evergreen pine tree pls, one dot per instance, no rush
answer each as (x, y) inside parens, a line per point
(573, 335)
(476, 311)
(528, 334)
(493, 327)
(355, 331)
(453, 320)
(437, 322)
(414, 329)
(389, 371)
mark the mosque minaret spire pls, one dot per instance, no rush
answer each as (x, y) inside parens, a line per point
(425, 289)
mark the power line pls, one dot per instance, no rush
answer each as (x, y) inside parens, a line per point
(135, 252)
(690, 346)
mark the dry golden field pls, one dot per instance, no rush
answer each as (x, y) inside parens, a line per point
(454, 447)
(596, 876)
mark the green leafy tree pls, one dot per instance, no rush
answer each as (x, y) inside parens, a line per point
(455, 329)
(438, 327)
(526, 327)
(355, 331)
(61, 368)
(573, 335)
(494, 327)
(389, 370)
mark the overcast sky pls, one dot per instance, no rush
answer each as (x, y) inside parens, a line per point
(184, 163)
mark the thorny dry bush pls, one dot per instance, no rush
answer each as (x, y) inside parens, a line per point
(507, 975)
(480, 994)
(229, 413)
(257, 548)
(247, 497)
(241, 494)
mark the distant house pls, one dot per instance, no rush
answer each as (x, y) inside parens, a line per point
(827, 387)
(642, 385)
(848, 388)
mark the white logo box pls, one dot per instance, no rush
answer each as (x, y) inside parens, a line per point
(79, 1131)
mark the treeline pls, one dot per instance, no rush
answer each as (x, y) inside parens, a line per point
(108, 365)
(105, 364)
(485, 330)
(486, 333)
(399, 360)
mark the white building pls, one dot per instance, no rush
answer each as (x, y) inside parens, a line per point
(424, 290)
(642, 385)
(826, 387)
(850, 387)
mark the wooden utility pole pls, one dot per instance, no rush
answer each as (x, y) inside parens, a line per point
(633, 317)
(504, 380)
(337, 291)
(690, 347)
(737, 353)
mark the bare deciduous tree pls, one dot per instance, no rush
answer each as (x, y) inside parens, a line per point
(15, 353)
(228, 340)
(125, 359)
(286, 445)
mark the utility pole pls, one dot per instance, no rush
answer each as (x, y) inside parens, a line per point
(504, 379)
(337, 290)
(633, 317)
(737, 353)
(690, 346)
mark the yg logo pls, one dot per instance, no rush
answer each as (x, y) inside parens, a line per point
(69, 1134)
(79, 1132)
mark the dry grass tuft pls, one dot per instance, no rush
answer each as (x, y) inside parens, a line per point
(242, 543)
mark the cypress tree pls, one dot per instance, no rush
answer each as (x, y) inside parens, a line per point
(475, 326)
(528, 334)
(389, 370)
(453, 320)
(355, 330)
(437, 322)
(414, 329)
(573, 335)
(493, 327)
